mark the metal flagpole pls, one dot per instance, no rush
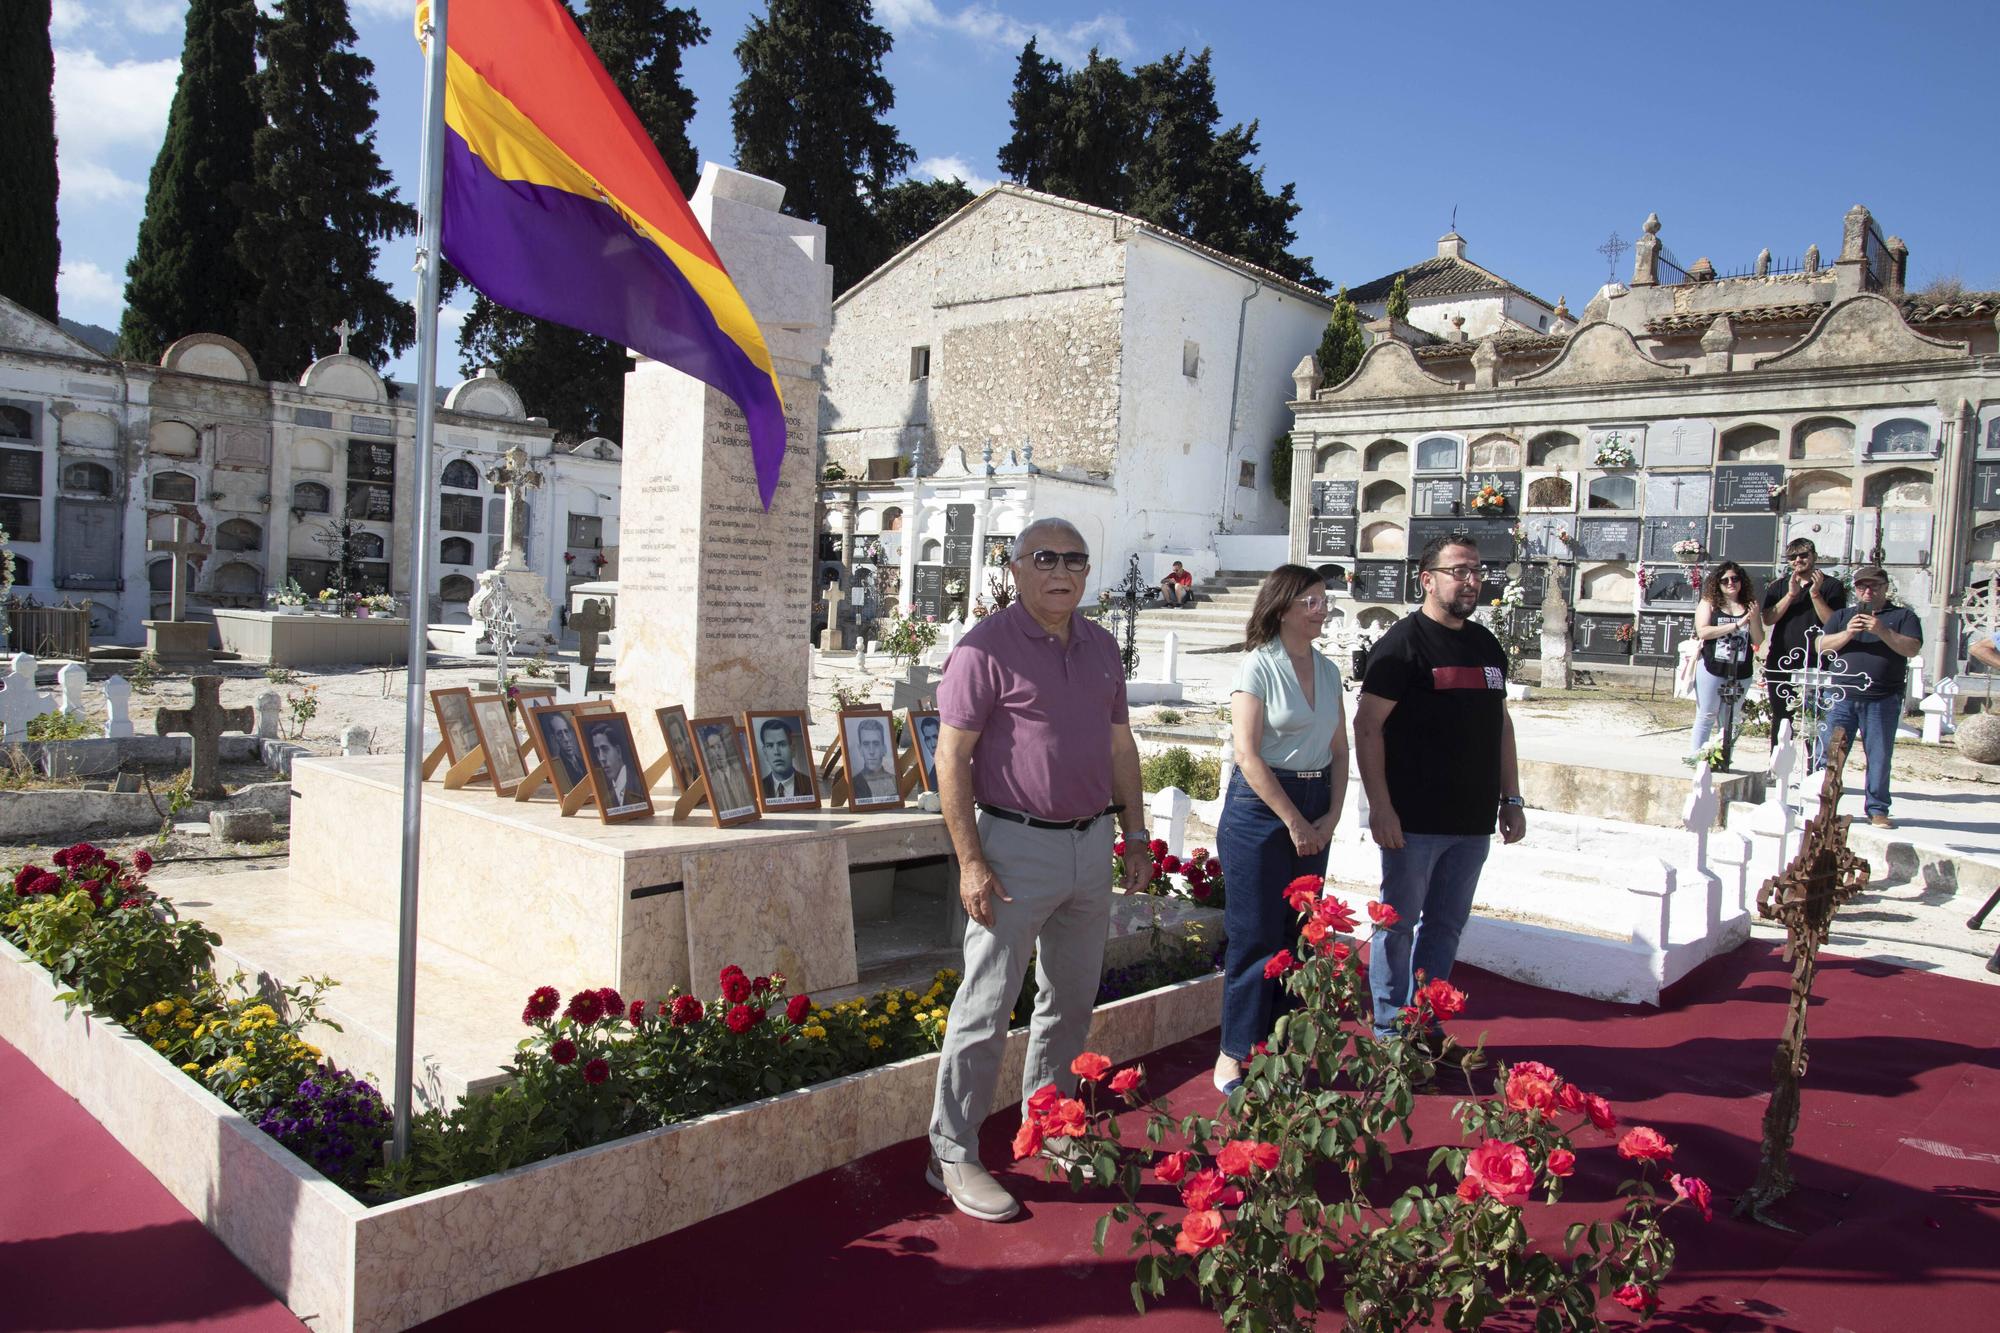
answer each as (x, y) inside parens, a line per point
(430, 197)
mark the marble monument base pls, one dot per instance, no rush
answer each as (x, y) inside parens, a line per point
(534, 613)
(179, 640)
(306, 640)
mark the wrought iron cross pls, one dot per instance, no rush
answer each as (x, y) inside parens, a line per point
(1129, 593)
(1812, 682)
(1613, 250)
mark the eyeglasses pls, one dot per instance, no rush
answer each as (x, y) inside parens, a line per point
(1311, 601)
(1462, 573)
(1074, 561)
(1802, 555)
(1869, 583)
(1729, 578)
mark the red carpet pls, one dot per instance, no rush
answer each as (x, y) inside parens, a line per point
(1897, 1211)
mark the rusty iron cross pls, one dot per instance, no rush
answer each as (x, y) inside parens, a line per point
(1803, 898)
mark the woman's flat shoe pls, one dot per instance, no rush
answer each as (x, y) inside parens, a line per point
(1227, 1086)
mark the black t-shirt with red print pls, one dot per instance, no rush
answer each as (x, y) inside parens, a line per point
(1441, 742)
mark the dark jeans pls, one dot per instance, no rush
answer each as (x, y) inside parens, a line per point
(1258, 861)
(1873, 723)
(1430, 882)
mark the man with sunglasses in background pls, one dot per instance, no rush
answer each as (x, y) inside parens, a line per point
(1878, 639)
(1802, 600)
(1034, 754)
(1436, 751)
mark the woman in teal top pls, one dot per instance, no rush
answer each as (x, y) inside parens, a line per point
(1290, 733)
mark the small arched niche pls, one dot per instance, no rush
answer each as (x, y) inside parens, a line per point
(459, 475)
(310, 454)
(1336, 456)
(930, 552)
(1555, 491)
(1440, 453)
(160, 575)
(1614, 492)
(89, 430)
(1823, 438)
(1555, 448)
(1384, 539)
(237, 580)
(1613, 584)
(1375, 619)
(367, 545)
(1384, 497)
(1820, 491)
(1384, 455)
(175, 439)
(1898, 488)
(1499, 452)
(1751, 443)
(311, 497)
(173, 487)
(81, 478)
(1983, 545)
(24, 574)
(238, 534)
(454, 588)
(455, 551)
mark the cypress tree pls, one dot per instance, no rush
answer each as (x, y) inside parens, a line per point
(910, 208)
(1037, 98)
(319, 200)
(809, 114)
(1341, 346)
(184, 275)
(576, 379)
(1398, 304)
(30, 252)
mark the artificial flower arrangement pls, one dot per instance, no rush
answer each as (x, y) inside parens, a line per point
(288, 593)
(1614, 452)
(1488, 500)
(1687, 550)
(1625, 632)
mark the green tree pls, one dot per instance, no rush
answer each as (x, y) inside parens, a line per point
(30, 252)
(319, 201)
(911, 208)
(576, 379)
(1399, 301)
(185, 275)
(810, 113)
(1038, 95)
(1341, 346)
(1281, 469)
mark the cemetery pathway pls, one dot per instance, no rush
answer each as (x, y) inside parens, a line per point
(1898, 1158)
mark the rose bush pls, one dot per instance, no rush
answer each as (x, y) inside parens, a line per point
(1282, 1194)
(1196, 876)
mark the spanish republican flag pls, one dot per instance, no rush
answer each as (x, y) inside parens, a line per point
(556, 204)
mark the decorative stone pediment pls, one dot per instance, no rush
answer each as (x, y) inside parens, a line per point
(1862, 330)
(1388, 370)
(486, 395)
(344, 376)
(212, 355)
(1599, 353)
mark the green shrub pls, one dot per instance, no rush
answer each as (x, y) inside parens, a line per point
(61, 727)
(1176, 766)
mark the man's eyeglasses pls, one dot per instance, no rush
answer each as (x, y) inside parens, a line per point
(1802, 555)
(1462, 573)
(1074, 561)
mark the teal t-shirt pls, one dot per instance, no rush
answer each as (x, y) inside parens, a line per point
(1296, 736)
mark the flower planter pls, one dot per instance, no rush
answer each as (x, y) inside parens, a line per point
(346, 1267)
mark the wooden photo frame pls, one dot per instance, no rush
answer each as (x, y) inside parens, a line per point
(868, 759)
(496, 736)
(454, 717)
(725, 770)
(560, 745)
(924, 724)
(673, 724)
(611, 759)
(527, 704)
(778, 739)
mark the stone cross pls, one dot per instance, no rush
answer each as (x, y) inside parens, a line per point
(1555, 629)
(204, 721)
(917, 689)
(345, 330)
(517, 476)
(183, 550)
(589, 622)
(71, 679)
(1804, 898)
(117, 707)
(267, 704)
(20, 703)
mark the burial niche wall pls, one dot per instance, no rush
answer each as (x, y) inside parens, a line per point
(1497, 452)
(1384, 539)
(1752, 442)
(311, 455)
(1830, 438)
(311, 498)
(1384, 497)
(1612, 585)
(1898, 488)
(1386, 456)
(1336, 456)
(174, 439)
(1555, 448)
(1821, 491)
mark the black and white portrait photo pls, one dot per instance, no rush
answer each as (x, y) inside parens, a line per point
(555, 731)
(924, 725)
(503, 748)
(673, 721)
(617, 778)
(870, 749)
(454, 715)
(731, 795)
(784, 759)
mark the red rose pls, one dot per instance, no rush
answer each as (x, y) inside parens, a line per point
(1171, 864)
(760, 985)
(1198, 855)
(1200, 1231)
(1215, 865)
(1043, 1100)
(1502, 1170)
(686, 1010)
(1195, 874)
(1600, 1112)
(1199, 888)
(1336, 915)
(635, 1013)
(1203, 1189)
(1540, 1071)
(1643, 1144)
(47, 883)
(596, 1071)
(1572, 1099)
(797, 1008)
(1303, 892)
(741, 1019)
(1340, 950)
(1090, 1065)
(729, 970)
(1173, 1168)
(1562, 1162)
(1471, 1190)
(1445, 999)
(1695, 1190)
(562, 1050)
(613, 1002)
(1383, 915)
(1068, 1120)
(736, 989)
(1027, 1139)
(1127, 1079)
(1118, 847)
(142, 861)
(1281, 962)
(1157, 847)
(1632, 1298)
(543, 1003)
(133, 901)
(1261, 1048)
(585, 1007)
(1525, 1092)
(1240, 1155)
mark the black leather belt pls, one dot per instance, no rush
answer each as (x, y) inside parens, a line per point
(1302, 776)
(1016, 817)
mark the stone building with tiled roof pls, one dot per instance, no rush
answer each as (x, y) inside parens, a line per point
(1450, 295)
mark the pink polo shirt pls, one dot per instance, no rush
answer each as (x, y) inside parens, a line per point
(1044, 712)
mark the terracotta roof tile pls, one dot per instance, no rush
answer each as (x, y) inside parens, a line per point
(1440, 276)
(1511, 342)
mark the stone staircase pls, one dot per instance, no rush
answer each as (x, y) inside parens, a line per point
(1214, 624)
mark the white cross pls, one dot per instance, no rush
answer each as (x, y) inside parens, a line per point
(344, 329)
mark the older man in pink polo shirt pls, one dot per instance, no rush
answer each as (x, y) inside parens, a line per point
(1034, 756)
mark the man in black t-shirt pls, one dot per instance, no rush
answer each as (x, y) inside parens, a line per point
(1878, 639)
(1436, 752)
(1800, 601)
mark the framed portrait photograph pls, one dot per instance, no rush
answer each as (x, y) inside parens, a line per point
(784, 756)
(553, 729)
(503, 748)
(617, 778)
(732, 792)
(454, 715)
(924, 726)
(868, 751)
(529, 703)
(673, 720)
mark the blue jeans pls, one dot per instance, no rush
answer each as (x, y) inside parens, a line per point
(1258, 861)
(1430, 882)
(1874, 722)
(1708, 704)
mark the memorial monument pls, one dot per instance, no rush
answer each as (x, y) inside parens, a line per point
(533, 613)
(175, 639)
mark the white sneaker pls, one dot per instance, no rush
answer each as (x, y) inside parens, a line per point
(972, 1190)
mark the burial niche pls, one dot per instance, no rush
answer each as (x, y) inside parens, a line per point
(176, 439)
(238, 580)
(1613, 492)
(1336, 456)
(1612, 584)
(1899, 435)
(173, 487)
(312, 498)
(366, 546)
(1497, 452)
(1384, 497)
(1984, 543)
(24, 570)
(1557, 492)
(1898, 488)
(311, 455)
(1383, 539)
(1823, 438)
(238, 534)
(160, 575)
(455, 551)
(454, 588)
(1555, 448)
(1375, 619)
(16, 423)
(460, 475)
(1439, 453)
(1752, 443)
(1383, 455)
(1821, 492)
(86, 479)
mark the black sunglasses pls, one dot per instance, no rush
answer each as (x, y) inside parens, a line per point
(1074, 561)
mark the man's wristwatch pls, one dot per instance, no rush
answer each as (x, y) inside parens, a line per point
(1514, 801)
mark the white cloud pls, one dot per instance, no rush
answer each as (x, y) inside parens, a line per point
(403, 11)
(451, 318)
(101, 105)
(88, 293)
(1067, 42)
(118, 16)
(88, 182)
(946, 168)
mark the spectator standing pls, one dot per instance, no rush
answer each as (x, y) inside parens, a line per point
(1728, 625)
(1436, 751)
(1800, 601)
(1290, 733)
(1878, 639)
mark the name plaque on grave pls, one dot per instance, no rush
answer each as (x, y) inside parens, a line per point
(1750, 539)
(1507, 483)
(1677, 493)
(1748, 488)
(927, 591)
(1438, 496)
(1986, 484)
(1535, 582)
(1608, 538)
(1901, 538)
(1331, 537)
(21, 518)
(1596, 636)
(1545, 536)
(1494, 537)
(1335, 499)
(1492, 581)
(369, 461)
(1378, 580)
(1659, 637)
(958, 549)
(370, 503)
(1827, 532)
(958, 519)
(1669, 585)
(20, 472)
(313, 416)
(1662, 533)
(373, 425)
(1686, 442)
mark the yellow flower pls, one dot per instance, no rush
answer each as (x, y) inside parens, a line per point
(160, 1045)
(199, 1030)
(814, 1030)
(190, 1068)
(893, 1007)
(249, 1048)
(874, 1043)
(152, 1029)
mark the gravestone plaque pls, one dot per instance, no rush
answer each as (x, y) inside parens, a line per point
(1905, 537)
(1677, 493)
(1438, 497)
(1507, 483)
(1659, 637)
(1335, 499)
(958, 549)
(21, 518)
(1608, 538)
(242, 446)
(1662, 533)
(927, 591)
(372, 425)
(459, 513)
(1748, 488)
(1331, 537)
(1492, 581)
(1986, 483)
(1992, 436)
(1669, 585)
(1827, 532)
(370, 503)
(1599, 438)
(1413, 583)
(20, 473)
(1748, 539)
(958, 519)
(1596, 636)
(1903, 437)
(1494, 537)
(1551, 491)
(1683, 443)
(1535, 582)
(371, 460)
(1378, 580)
(89, 542)
(1440, 453)
(1543, 535)
(313, 416)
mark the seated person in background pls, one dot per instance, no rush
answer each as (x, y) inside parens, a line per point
(1986, 649)
(1177, 588)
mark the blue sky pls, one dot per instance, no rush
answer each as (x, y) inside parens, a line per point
(1546, 125)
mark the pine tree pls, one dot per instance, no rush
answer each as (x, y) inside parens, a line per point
(810, 114)
(185, 275)
(576, 379)
(911, 208)
(1399, 301)
(1038, 92)
(30, 252)
(319, 200)
(1097, 130)
(1341, 346)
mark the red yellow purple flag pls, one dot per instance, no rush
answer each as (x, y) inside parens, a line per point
(556, 204)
